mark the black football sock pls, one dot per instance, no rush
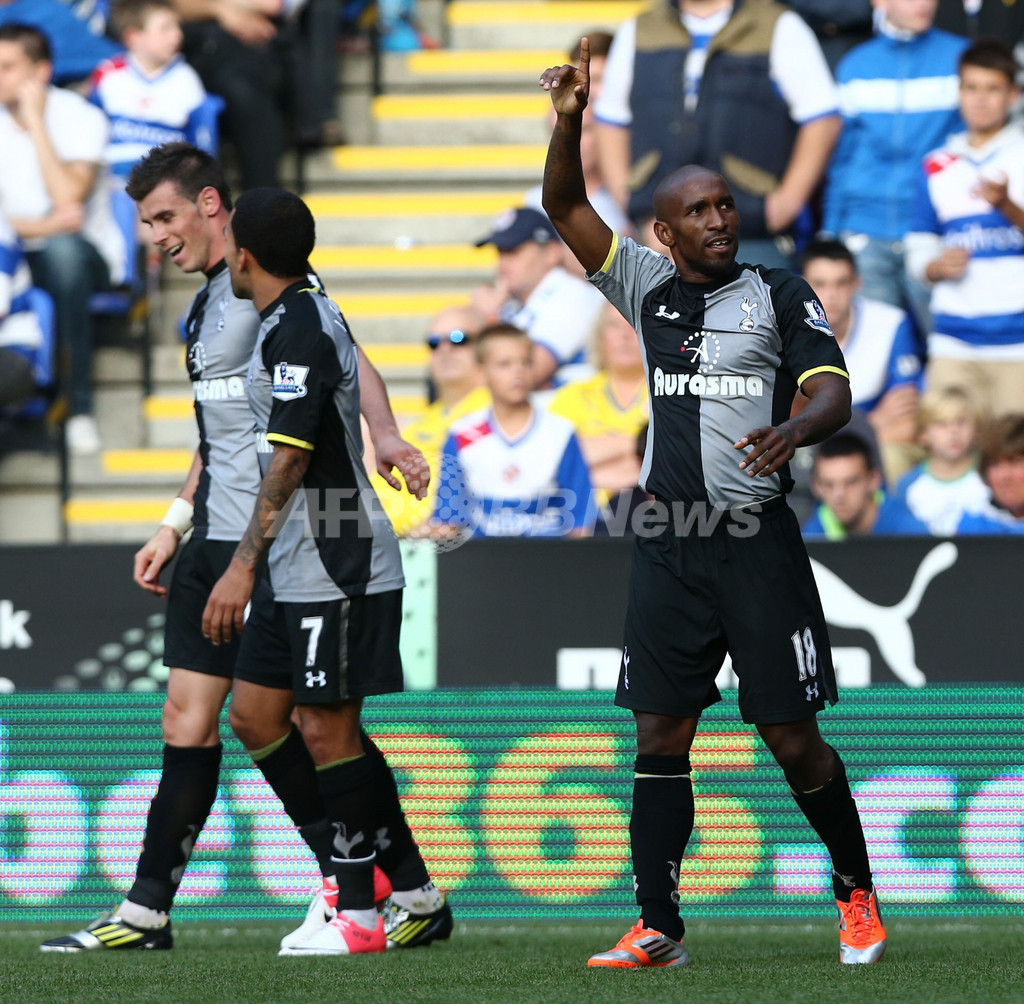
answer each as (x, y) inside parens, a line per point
(397, 851)
(290, 771)
(177, 814)
(349, 792)
(832, 812)
(659, 829)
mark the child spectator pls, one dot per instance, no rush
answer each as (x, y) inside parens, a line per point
(947, 484)
(897, 94)
(513, 470)
(20, 336)
(1002, 467)
(609, 410)
(878, 344)
(150, 94)
(967, 238)
(849, 486)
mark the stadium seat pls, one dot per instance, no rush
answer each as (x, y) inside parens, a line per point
(43, 358)
(119, 300)
(131, 298)
(205, 121)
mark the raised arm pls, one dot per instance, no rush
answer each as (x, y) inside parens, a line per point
(565, 191)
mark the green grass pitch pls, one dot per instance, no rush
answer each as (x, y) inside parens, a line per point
(926, 963)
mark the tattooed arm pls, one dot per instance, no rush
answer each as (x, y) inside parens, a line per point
(565, 192)
(225, 609)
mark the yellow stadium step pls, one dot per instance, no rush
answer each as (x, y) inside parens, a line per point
(407, 217)
(416, 160)
(446, 203)
(486, 63)
(137, 510)
(373, 306)
(377, 261)
(148, 462)
(461, 119)
(554, 24)
(465, 12)
(460, 106)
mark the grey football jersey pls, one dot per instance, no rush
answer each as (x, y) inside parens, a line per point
(221, 331)
(336, 541)
(721, 360)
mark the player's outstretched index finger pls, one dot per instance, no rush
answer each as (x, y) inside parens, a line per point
(585, 56)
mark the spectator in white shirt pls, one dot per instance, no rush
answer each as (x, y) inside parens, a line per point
(534, 292)
(55, 192)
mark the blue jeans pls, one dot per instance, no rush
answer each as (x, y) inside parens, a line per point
(70, 269)
(883, 275)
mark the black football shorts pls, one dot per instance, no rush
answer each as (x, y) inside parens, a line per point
(743, 588)
(200, 564)
(327, 651)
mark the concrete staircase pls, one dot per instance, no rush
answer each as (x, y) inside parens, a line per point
(458, 136)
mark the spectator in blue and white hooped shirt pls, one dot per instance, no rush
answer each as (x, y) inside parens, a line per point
(898, 98)
(513, 470)
(20, 334)
(880, 349)
(149, 93)
(968, 238)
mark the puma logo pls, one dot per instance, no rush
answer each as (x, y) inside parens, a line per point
(846, 608)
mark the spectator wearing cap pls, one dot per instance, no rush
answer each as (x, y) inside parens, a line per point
(848, 484)
(458, 383)
(535, 293)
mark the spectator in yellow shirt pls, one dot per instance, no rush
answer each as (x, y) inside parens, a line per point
(609, 409)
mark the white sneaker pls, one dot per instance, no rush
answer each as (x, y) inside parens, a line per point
(319, 913)
(82, 436)
(342, 936)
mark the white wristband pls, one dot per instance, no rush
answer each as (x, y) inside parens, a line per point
(179, 516)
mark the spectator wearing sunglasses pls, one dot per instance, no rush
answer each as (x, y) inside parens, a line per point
(458, 388)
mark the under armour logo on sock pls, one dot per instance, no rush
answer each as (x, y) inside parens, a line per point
(673, 871)
(342, 844)
(847, 880)
(381, 841)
